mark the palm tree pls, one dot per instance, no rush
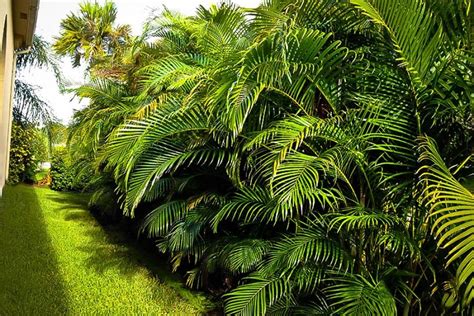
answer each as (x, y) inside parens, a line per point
(90, 35)
(287, 153)
(28, 106)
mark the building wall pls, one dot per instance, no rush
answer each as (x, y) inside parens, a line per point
(7, 62)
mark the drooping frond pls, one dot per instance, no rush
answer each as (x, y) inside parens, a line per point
(250, 206)
(244, 255)
(309, 246)
(163, 217)
(361, 218)
(415, 33)
(28, 105)
(357, 295)
(266, 66)
(254, 298)
(452, 207)
(298, 180)
(40, 56)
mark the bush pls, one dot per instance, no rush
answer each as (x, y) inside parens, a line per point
(22, 154)
(62, 179)
(64, 175)
(40, 145)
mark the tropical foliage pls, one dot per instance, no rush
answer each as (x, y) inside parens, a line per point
(22, 160)
(62, 176)
(33, 119)
(302, 157)
(28, 107)
(90, 35)
(28, 147)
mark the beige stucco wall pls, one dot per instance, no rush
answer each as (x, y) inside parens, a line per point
(7, 59)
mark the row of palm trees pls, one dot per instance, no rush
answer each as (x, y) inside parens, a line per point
(304, 157)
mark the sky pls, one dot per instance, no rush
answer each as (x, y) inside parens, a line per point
(132, 12)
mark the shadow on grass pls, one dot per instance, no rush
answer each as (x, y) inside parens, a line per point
(121, 251)
(73, 206)
(117, 248)
(114, 247)
(69, 201)
(108, 248)
(30, 281)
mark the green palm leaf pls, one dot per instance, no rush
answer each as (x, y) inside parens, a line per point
(310, 246)
(452, 206)
(361, 218)
(243, 255)
(416, 34)
(356, 295)
(161, 219)
(255, 297)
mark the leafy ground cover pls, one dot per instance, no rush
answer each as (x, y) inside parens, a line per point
(56, 259)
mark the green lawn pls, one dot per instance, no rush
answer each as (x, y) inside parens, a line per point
(56, 259)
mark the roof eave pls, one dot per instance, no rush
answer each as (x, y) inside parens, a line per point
(25, 14)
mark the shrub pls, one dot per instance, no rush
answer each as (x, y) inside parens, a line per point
(22, 154)
(40, 145)
(64, 175)
(61, 177)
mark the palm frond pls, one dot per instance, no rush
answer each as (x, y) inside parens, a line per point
(357, 295)
(309, 246)
(254, 298)
(452, 207)
(244, 255)
(29, 106)
(160, 220)
(416, 34)
(361, 218)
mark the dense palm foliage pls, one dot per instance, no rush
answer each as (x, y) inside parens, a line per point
(305, 156)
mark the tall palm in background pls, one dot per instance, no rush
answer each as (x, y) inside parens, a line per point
(90, 36)
(305, 155)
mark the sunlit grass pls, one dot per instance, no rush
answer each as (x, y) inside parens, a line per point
(40, 175)
(56, 259)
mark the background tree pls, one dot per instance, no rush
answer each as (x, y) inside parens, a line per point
(90, 35)
(28, 106)
(32, 116)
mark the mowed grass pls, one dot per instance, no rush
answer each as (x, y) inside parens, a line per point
(55, 259)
